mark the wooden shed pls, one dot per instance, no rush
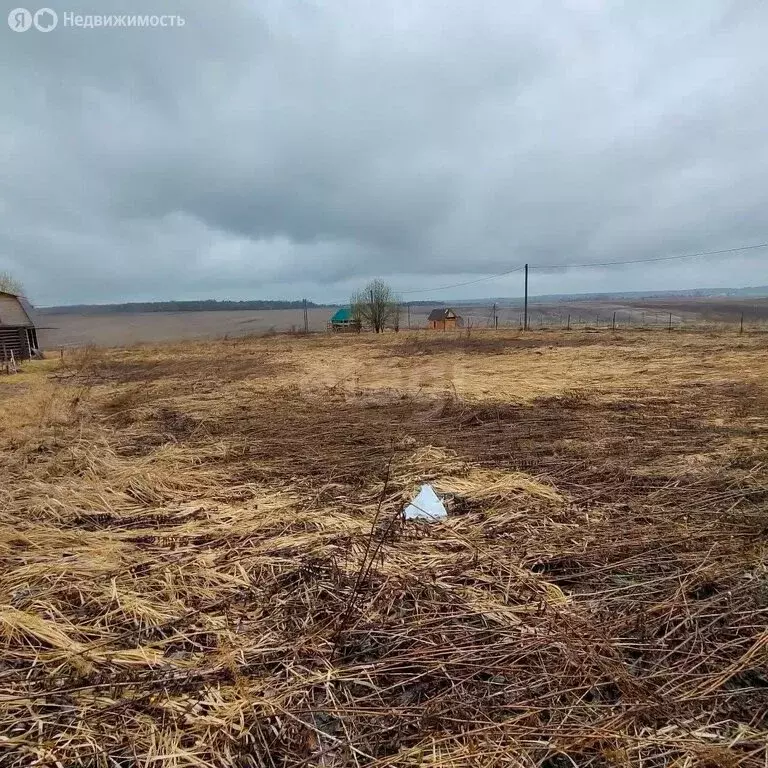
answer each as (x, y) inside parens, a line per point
(444, 319)
(18, 333)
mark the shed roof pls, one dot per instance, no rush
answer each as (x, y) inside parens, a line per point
(15, 310)
(29, 310)
(442, 313)
(342, 315)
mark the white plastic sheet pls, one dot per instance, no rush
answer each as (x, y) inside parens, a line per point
(426, 506)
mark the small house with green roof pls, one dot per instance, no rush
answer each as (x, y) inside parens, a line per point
(343, 320)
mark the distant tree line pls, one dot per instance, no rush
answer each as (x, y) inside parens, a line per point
(208, 305)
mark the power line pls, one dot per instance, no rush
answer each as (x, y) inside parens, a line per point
(648, 261)
(590, 264)
(468, 282)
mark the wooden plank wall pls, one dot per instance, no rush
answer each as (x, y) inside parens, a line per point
(14, 339)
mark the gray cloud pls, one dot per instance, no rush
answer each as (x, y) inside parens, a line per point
(294, 148)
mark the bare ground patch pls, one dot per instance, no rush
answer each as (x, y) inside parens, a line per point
(479, 343)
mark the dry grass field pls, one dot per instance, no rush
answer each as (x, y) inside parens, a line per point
(204, 561)
(70, 331)
(122, 330)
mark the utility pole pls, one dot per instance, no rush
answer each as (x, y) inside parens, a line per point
(525, 305)
(306, 318)
(374, 315)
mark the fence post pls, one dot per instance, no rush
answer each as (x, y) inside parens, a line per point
(568, 328)
(741, 325)
(525, 306)
(613, 322)
(670, 322)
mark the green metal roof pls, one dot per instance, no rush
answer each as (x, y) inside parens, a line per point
(342, 315)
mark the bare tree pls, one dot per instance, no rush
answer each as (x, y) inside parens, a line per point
(9, 284)
(376, 305)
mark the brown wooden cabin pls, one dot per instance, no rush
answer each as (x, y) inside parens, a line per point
(444, 319)
(17, 328)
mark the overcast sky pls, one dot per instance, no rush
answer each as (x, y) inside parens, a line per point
(289, 148)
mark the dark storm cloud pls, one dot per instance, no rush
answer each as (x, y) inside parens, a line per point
(293, 147)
